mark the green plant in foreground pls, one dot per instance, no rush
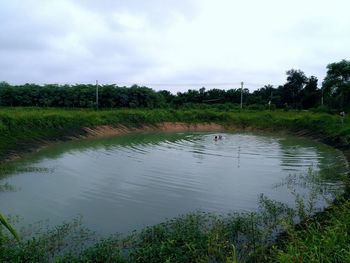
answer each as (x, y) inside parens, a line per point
(328, 241)
(4, 222)
(196, 237)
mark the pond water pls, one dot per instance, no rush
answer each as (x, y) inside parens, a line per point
(119, 184)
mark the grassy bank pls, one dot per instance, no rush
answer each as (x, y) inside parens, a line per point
(22, 127)
(197, 237)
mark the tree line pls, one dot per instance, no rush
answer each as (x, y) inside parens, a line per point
(298, 92)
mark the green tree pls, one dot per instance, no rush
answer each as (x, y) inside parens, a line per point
(336, 85)
(262, 96)
(291, 92)
(168, 97)
(310, 95)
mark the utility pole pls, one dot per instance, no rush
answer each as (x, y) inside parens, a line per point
(271, 94)
(270, 101)
(241, 94)
(96, 94)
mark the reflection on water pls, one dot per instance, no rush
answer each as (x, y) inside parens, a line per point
(124, 183)
(6, 187)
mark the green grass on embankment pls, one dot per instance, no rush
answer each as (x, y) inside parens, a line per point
(195, 237)
(20, 127)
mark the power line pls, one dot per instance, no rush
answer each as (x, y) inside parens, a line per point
(203, 84)
(182, 84)
(167, 84)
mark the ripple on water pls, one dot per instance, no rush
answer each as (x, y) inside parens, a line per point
(127, 182)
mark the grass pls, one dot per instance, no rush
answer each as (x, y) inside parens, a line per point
(196, 237)
(20, 127)
(328, 241)
(6, 225)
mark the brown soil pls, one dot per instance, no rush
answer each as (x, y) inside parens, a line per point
(109, 130)
(104, 131)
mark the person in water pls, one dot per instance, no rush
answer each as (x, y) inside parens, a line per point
(215, 138)
(220, 137)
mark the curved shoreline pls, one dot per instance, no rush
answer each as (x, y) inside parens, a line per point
(101, 131)
(118, 130)
(108, 130)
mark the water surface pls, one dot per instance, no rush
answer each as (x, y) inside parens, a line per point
(124, 183)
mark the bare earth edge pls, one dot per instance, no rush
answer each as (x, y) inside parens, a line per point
(117, 130)
(108, 130)
(104, 131)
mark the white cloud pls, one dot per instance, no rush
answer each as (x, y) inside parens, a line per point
(129, 21)
(169, 41)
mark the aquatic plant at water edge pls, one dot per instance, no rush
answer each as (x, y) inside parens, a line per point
(195, 237)
(5, 224)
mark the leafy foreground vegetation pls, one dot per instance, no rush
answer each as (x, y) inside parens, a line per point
(325, 242)
(199, 237)
(196, 237)
(5, 224)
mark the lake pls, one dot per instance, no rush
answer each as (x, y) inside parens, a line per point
(123, 183)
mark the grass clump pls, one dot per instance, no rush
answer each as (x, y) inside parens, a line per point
(195, 237)
(328, 241)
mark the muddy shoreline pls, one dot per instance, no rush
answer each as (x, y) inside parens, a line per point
(109, 130)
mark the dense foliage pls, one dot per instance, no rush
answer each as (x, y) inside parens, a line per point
(78, 96)
(200, 237)
(195, 237)
(299, 92)
(325, 241)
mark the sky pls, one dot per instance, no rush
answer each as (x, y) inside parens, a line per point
(170, 44)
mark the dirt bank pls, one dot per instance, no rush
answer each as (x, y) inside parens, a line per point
(104, 131)
(109, 130)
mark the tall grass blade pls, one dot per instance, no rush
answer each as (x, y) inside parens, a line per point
(4, 222)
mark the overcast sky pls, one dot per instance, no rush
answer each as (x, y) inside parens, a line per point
(170, 42)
